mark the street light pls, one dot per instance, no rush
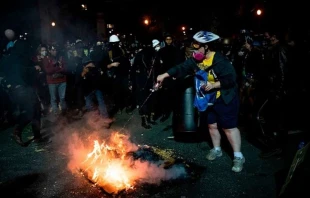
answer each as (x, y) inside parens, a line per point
(183, 28)
(84, 7)
(146, 22)
(258, 12)
(53, 24)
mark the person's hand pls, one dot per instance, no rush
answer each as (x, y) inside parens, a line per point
(160, 79)
(115, 64)
(208, 86)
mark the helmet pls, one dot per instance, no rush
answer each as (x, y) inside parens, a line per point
(155, 42)
(113, 38)
(205, 37)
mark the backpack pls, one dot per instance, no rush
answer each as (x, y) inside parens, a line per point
(202, 98)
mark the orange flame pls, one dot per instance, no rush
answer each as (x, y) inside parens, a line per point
(108, 166)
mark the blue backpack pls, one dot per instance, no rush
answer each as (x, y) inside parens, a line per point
(202, 98)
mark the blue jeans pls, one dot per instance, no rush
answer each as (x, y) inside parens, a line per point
(90, 103)
(61, 89)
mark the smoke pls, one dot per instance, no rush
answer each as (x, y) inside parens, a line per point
(148, 172)
(106, 156)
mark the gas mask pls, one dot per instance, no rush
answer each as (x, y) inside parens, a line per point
(157, 48)
(198, 56)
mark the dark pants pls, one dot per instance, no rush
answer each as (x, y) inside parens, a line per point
(143, 94)
(43, 91)
(146, 100)
(74, 94)
(121, 93)
(29, 107)
(167, 97)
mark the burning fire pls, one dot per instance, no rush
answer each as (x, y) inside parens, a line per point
(111, 165)
(108, 164)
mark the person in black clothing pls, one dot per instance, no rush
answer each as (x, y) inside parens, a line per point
(272, 88)
(90, 81)
(170, 56)
(145, 64)
(118, 69)
(19, 74)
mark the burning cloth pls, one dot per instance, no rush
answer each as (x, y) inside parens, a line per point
(117, 164)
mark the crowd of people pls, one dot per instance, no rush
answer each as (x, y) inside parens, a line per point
(256, 79)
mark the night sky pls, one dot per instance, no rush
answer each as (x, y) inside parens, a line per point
(128, 15)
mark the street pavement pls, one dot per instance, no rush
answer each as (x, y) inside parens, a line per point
(41, 170)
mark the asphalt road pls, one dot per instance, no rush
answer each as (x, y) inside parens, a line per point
(42, 170)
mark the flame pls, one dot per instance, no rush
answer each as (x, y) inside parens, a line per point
(108, 165)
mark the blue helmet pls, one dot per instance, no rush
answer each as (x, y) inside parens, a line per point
(205, 37)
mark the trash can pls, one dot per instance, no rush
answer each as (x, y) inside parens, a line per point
(185, 115)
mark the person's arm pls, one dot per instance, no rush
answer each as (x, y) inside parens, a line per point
(62, 65)
(186, 68)
(226, 75)
(161, 77)
(178, 71)
(114, 64)
(49, 67)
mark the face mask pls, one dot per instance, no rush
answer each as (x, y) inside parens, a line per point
(157, 48)
(43, 53)
(198, 56)
(74, 53)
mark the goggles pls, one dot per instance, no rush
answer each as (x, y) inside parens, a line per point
(196, 45)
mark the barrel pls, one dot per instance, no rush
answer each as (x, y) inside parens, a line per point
(185, 115)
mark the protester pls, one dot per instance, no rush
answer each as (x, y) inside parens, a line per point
(222, 80)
